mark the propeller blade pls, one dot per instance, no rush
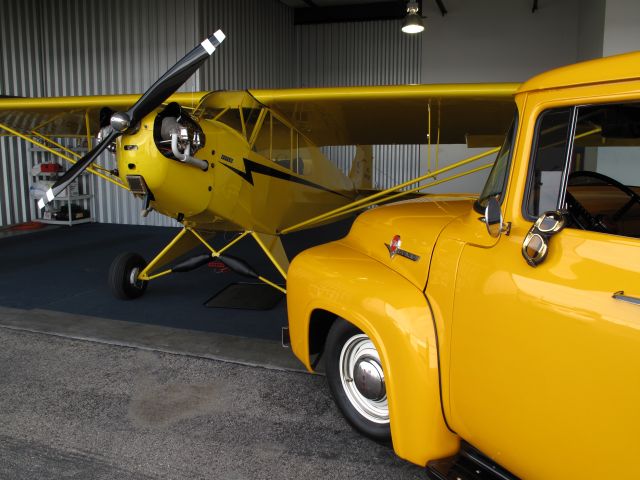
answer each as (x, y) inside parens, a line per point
(173, 79)
(162, 89)
(76, 169)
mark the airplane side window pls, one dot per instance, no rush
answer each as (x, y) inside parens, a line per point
(250, 116)
(549, 160)
(280, 143)
(262, 144)
(303, 156)
(603, 188)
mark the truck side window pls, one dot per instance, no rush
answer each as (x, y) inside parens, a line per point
(549, 160)
(603, 190)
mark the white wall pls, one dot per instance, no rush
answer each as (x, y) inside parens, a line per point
(496, 41)
(621, 27)
(465, 46)
(590, 29)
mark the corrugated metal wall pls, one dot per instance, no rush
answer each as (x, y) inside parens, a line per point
(20, 75)
(75, 47)
(260, 48)
(363, 53)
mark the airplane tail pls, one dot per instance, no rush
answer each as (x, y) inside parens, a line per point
(361, 173)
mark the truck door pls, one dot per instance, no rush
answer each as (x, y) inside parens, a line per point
(545, 360)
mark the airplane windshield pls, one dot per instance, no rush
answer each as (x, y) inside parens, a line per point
(242, 120)
(496, 183)
(231, 118)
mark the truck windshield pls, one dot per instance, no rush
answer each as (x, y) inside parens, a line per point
(498, 177)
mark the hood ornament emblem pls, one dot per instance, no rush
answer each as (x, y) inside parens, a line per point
(394, 249)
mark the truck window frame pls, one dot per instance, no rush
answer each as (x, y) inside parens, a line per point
(510, 139)
(572, 111)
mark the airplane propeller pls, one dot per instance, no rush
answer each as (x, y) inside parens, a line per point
(122, 122)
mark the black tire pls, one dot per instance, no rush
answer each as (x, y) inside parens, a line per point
(122, 273)
(364, 411)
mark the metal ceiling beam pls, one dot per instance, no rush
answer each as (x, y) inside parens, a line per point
(441, 7)
(351, 13)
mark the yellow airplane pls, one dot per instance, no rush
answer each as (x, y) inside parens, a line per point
(248, 161)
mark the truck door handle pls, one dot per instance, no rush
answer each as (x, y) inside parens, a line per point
(626, 298)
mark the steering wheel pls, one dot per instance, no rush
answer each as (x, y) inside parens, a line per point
(585, 219)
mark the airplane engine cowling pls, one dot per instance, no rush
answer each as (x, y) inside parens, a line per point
(178, 136)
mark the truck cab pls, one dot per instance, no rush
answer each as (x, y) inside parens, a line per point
(505, 326)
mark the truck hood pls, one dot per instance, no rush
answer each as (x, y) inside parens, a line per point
(418, 224)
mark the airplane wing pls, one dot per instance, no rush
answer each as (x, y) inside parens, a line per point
(475, 114)
(70, 116)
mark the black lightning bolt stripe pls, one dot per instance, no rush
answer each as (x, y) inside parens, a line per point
(251, 167)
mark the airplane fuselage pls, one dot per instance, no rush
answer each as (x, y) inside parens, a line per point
(249, 181)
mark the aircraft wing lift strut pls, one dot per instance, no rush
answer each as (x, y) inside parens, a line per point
(394, 192)
(40, 141)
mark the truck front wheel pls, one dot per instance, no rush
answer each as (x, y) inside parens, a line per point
(356, 380)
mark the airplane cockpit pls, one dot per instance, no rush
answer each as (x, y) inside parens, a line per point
(265, 132)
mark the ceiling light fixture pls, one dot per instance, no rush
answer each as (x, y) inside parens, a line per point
(412, 22)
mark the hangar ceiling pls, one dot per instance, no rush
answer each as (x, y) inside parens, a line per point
(329, 11)
(326, 11)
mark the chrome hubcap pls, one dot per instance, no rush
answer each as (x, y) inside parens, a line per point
(369, 379)
(363, 379)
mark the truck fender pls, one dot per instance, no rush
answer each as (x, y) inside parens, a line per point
(396, 317)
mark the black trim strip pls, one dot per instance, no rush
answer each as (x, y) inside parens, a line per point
(251, 167)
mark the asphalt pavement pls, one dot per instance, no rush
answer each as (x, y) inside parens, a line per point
(79, 409)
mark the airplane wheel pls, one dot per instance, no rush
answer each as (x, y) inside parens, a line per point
(356, 380)
(122, 276)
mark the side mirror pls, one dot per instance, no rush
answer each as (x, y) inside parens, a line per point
(493, 218)
(536, 244)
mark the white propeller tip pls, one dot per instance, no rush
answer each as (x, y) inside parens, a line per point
(41, 203)
(210, 46)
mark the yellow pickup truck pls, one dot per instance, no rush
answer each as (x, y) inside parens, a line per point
(499, 336)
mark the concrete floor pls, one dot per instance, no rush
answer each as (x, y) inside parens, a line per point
(81, 409)
(121, 395)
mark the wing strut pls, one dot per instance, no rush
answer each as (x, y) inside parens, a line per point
(393, 191)
(58, 154)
